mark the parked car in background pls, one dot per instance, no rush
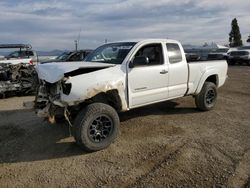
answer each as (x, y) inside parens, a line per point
(23, 54)
(218, 54)
(16, 79)
(192, 57)
(17, 73)
(239, 56)
(70, 56)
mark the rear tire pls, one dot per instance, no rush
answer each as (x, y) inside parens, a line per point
(96, 127)
(207, 98)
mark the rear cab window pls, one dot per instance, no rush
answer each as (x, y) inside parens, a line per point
(174, 53)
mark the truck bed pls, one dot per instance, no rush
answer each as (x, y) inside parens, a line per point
(198, 69)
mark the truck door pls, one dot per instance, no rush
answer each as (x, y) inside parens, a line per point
(148, 83)
(178, 71)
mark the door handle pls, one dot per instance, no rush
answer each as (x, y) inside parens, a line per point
(164, 72)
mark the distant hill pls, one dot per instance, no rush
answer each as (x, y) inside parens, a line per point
(49, 53)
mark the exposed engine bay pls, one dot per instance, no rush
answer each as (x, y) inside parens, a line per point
(17, 79)
(48, 104)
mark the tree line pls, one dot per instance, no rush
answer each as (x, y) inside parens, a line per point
(235, 35)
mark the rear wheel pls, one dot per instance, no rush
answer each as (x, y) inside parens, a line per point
(206, 99)
(96, 127)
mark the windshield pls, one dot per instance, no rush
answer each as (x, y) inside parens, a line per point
(63, 56)
(113, 53)
(15, 54)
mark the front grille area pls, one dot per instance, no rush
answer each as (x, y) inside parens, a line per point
(46, 92)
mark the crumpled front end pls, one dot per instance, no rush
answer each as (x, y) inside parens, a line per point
(64, 94)
(48, 103)
(17, 79)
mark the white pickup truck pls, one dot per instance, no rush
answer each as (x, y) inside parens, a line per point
(118, 77)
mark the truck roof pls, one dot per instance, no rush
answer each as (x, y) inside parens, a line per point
(150, 40)
(27, 46)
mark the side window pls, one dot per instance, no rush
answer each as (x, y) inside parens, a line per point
(153, 52)
(75, 57)
(22, 54)
(29, 53)
(174, 53)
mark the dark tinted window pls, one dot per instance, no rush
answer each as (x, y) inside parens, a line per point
(29, 53)
(63, 56)
(22, 54)
(239, 53)
(76, 57)
(174, 53)
(153, 52)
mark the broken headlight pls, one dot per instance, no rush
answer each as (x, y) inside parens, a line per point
(66, 88)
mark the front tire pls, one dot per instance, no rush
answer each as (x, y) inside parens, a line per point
(207, 98)
(96, 127)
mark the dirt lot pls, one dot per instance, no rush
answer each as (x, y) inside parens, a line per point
(164, 145)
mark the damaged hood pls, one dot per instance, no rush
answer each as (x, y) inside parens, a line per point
(53, 72)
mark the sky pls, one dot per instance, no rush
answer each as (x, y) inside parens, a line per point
(55, 24)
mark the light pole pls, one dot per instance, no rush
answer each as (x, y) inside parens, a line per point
(76, 45)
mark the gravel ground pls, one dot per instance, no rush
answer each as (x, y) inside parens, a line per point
(170, 144)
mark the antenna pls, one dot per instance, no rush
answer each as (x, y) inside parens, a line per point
(79, 36)
(77, 41)
(76, 45)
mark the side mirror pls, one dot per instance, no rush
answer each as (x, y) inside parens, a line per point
(139, 61)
